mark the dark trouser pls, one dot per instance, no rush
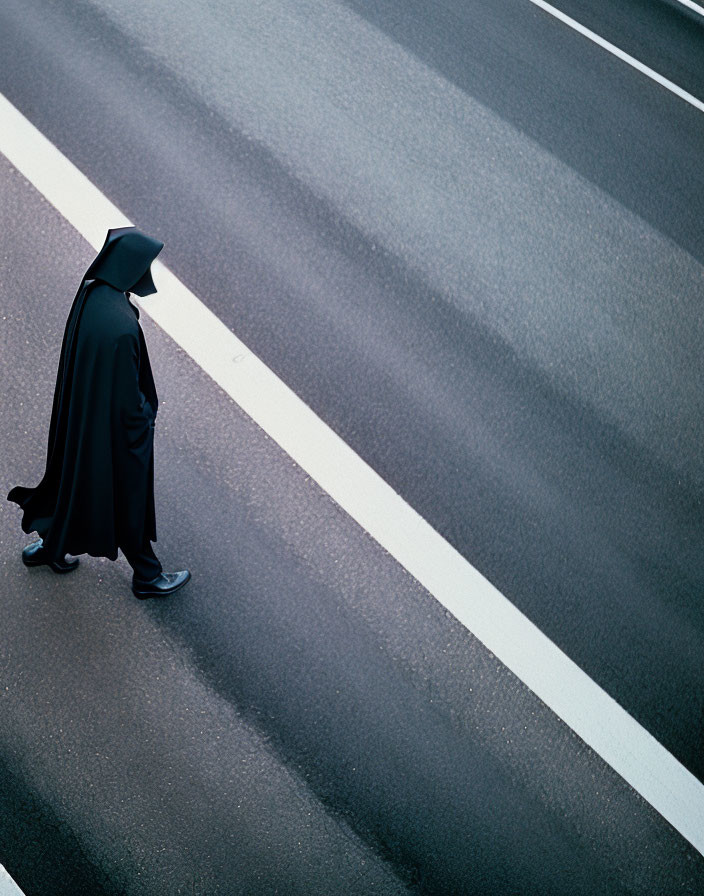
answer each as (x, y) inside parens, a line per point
(144, 562)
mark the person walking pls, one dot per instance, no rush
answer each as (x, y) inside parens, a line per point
(97, 492)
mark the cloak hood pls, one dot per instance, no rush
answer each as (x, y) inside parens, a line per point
(125, 259)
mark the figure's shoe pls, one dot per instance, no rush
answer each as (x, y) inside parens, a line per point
(164, 584)
(35, 555)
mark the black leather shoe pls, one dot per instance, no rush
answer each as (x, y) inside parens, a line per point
(164, 584)
(35, 555)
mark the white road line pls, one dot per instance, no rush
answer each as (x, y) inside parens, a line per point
(7, 885)
(695, 6)
(611, 48)
(624, 744)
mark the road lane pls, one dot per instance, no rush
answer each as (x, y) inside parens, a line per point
(553, 441)
(604, 726)
(620, 54)
(665, 35)
(303, 682)
(583, 107)
(123, 769)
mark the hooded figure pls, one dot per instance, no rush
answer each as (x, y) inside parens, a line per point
(97, 493)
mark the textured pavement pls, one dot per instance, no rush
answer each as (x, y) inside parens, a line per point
(504, 322)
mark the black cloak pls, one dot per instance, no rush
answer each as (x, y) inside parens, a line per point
(97, 493)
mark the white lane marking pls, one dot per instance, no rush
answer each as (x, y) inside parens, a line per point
(611, 48)
(604, 725)
(7, 885)
(695, 6)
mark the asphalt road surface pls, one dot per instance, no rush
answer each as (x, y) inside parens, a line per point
(472, 241)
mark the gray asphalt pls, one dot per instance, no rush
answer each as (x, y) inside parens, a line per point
(473, 244)
(302, 718)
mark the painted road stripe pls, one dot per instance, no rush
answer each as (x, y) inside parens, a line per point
(608, 729)
(630, 60)
(7, 885)
(695, 6)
